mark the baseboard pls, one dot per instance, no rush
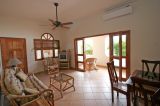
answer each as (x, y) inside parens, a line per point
(102, 66)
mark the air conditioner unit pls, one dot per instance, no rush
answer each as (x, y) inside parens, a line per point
(117, 12)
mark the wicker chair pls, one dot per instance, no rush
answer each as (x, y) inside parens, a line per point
(90, 64)
(44, 95)
(51, 65)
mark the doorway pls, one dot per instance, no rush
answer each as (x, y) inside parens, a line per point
(105, 47)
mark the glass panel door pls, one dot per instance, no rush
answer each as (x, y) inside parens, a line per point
(79, 54)
(119, 52)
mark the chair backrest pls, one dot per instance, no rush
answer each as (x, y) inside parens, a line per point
(151, 66)
(5, 90)
(91, 60)
(51, 65)
(112, 72)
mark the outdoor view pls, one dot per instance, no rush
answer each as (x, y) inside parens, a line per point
(116, 49)
(88, 50)
(88, 46)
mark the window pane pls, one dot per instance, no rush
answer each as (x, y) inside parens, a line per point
(116, 62)
(38, 54)
(80, 58)
(47, 53)
(116, 45)
(107, 45)
(80, 46)
(123, 45)
(56, 52)
(123, 62)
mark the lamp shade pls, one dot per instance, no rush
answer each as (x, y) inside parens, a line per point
(14, 61)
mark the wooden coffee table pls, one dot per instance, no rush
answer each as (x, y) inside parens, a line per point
(62, 82)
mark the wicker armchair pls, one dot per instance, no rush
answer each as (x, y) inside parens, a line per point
(51, 65)
(90, 64)
(38, 91)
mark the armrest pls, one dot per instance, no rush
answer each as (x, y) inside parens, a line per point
(49, 97)
(28, 96)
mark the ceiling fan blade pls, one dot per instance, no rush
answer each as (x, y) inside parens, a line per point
(65, 27)
(43, 25)
(67, 23)
(54, 28)
(51, 20)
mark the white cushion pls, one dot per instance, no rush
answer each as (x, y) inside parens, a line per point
(21, 75)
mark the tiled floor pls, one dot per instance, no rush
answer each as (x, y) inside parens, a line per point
(92, 89)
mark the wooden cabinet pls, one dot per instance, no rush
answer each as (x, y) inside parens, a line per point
(64, 64)
(65, 59)
(11, 47)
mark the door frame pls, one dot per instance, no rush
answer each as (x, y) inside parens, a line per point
(76, 54)
(127, 48)
(127, 68)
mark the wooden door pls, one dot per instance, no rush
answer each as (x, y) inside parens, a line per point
(120, 53)
(11, 47)
(79, 54)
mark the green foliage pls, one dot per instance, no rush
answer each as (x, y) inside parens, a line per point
(89, 49)
(116, 49)
(123, 48)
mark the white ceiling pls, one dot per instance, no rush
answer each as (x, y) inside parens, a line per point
(41, 10)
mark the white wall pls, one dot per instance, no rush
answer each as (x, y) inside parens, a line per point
(99, 50)
(17, 28)
(144, 25)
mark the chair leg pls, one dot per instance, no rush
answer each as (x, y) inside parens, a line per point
(117, 95)
(73, 84)
(112, 96)
(128, 99)
(61, 89)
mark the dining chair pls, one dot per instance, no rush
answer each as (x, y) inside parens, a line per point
(155, 98)
(147, 88)
(116, 85)
(150, 66)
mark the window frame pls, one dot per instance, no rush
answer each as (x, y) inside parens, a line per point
(38, 45)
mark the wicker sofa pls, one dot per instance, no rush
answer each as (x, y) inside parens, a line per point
(25, 90)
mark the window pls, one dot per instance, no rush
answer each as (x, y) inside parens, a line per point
(46, 47)
(56, 48)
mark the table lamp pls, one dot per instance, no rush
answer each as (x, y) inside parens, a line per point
(13, 62)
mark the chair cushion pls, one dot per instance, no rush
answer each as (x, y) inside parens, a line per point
(120, 85)
(21, 75)
(30, 91)
(12, 83)
(39, 83)
(28, 83)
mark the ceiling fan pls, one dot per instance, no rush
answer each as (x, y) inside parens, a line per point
(58, 23)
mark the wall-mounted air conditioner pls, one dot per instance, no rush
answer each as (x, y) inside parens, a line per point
(117, 12)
